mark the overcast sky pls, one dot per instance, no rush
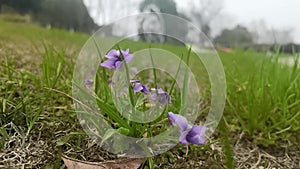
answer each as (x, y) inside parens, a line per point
(277, 14)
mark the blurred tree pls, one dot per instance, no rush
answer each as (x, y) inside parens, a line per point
(165, 6)
(236, 37)
(262, 34)
(166, 25)
(203, 12)
(22, 6)
(67, 14)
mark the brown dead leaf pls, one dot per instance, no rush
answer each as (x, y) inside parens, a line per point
(123, 163)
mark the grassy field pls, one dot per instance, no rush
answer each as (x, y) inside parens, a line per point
(261, 124)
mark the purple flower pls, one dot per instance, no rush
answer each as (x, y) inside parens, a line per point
(88, 82)
(114, 59)
(139, 87)
(179, 120)
(161, 96)
(193, 135)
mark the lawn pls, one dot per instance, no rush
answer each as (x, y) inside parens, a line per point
(260, 127)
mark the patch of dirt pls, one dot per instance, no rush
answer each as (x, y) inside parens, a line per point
(249, 155)
(49, 141)
(197, 157)
(19, 151)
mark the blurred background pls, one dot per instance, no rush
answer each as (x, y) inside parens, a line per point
(228, 23)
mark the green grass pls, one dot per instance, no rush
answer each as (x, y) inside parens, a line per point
(28, 32)
(263, 96)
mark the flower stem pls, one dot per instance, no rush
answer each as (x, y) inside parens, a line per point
(187, 150)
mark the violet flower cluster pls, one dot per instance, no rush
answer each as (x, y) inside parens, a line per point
(189, 134)
(114, 61)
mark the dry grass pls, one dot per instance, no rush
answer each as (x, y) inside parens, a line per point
(249, 155)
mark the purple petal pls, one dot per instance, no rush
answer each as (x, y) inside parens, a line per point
(179, 120)
(110, 64)
(113, 54)
(169, 99)
(153, 97)
(183, 138)
(196, 135)
(138, 87)
(145, 90)
(172, 117)
(128, 58)
(161, 91)
(162, 99)
(126, 52)
(198, 140)
(118, 64)
(198, 130)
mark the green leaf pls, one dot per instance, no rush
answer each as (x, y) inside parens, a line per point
(150, 163)
(62, 141)
(3, 133)
(123, 130)
(108, 134)
(139, 101)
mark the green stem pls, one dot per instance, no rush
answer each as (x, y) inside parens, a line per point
(130, 90)
(153, 67)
